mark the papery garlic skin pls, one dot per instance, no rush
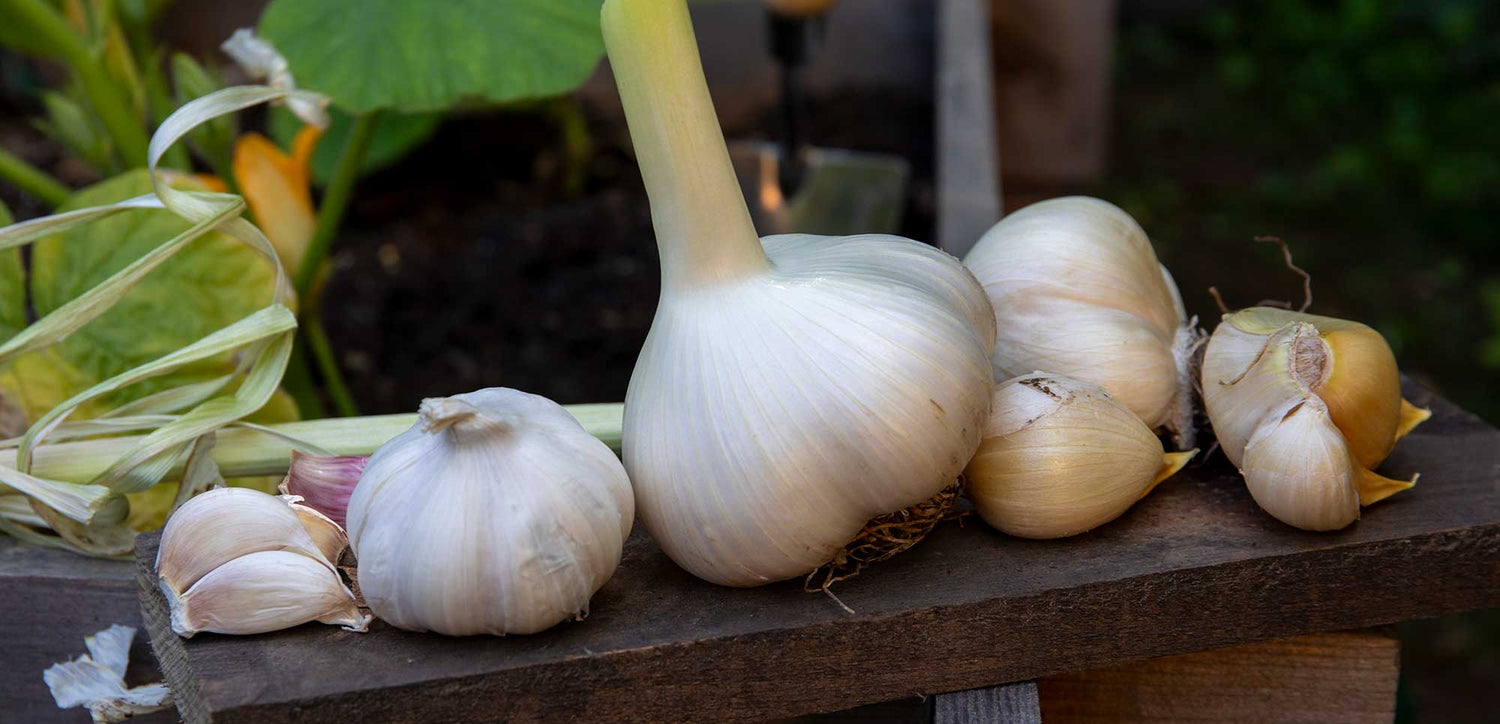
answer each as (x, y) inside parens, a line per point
(1061, 456)
(1306, 407)
(263, 592)
(1078, 291)
(496, 513)
(329, 536)
(791, 387)
(222, 524)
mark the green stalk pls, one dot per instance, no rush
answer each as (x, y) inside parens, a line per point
(32, 180)
(123, 127)
(703, 228)
(336, 200)
(299, 383)
(241, 452)
(328, 364)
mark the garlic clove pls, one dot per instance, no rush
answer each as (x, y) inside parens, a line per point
(1411, 416)
(1300, 471)
(324, 482)
(223, 524)
(265, 591)
(1247, 380)
(1374, 487)
(325, 533)
(1061, 456)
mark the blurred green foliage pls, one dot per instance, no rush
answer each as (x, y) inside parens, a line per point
(1364, 132)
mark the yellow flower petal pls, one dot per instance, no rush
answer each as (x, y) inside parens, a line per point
(276, 188)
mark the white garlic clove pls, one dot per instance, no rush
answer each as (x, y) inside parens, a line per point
(1299, 471)
(1061, 456)
(496, 513)
(262, 592)
(223, 524)
(325, 533)
(1078, 291)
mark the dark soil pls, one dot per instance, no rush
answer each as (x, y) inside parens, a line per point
(472, 264)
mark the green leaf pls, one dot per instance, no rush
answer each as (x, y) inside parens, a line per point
(408, 56)
(396, 135)
(210, 284)
(12, 286)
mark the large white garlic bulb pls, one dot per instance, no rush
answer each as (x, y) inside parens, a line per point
(1306, 407)
(789, 390)
(1078, 291)
(495, 513)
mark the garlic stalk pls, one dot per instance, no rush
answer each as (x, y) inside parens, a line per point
(1061, 456)
(792, 387)
(495, 513)
(1306, 407)
(1078, 291)
(262, 592)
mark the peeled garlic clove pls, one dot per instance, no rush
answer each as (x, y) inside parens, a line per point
(792, 387)
(265, 591)
(1061, 456)
(223, 524)
(1281, 387)
(324, 482)
(1078, 291)
(496, 513)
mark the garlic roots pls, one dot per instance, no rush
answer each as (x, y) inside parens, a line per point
(1061, 456)
(239, 561)
(495, 513)
(1306, 407)
(1078, 291)
(793, 387)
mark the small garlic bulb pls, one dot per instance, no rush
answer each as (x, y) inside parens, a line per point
(1078, 291)
(1061, 456)
(792, 387)
(1306, 407)
(495, 513)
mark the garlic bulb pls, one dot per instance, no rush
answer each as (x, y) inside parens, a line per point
(495, 513)
(791, 387)
(1306, 407)
(1078, 291)
(222, 524)
(1061, 456)
(265, 591)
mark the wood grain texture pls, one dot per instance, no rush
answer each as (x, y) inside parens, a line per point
(1318, 679)
(1195, 566)
(1005, 704)
(968, 166)
(52, 600)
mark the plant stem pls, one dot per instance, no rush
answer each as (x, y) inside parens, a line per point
(32, 180)
(124, 128)
(298, 382)
(328, 365)
(703, 228)
(241, 452)
(336, 200)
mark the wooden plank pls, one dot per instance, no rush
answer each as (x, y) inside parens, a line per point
(1318, 679)
(968, 159)
(1004, 704)
(1194, 566)
(52, 600)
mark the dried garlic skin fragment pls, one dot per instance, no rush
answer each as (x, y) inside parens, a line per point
(1306, 407)
(496, 513)
(96, 680)
(1061, 456)
(1078, 291)
(222, 524)
(262, 592)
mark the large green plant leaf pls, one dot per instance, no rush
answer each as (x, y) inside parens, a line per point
(427, 56)
(211, 283)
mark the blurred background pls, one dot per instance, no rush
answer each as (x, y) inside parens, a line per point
(511, 244)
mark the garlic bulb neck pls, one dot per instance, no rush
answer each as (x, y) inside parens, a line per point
(703, 228)
(459, 418)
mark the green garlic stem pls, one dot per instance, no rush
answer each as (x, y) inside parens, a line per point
(703, 228)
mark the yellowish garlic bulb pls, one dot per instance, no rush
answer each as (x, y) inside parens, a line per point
(792, 387)
(1306, 407)
(1061, 456)
(496, 513)
(1078, 291)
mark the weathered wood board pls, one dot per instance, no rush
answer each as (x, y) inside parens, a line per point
(1195, 566)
